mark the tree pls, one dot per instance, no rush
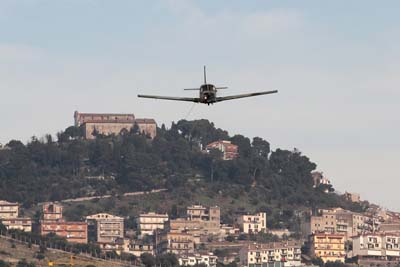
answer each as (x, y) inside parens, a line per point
(147, 260)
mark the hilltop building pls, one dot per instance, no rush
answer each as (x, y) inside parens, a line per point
(229, 150)
(277, 254)
(353, 197)
(105, 228)
(209, 218)
(112, 123)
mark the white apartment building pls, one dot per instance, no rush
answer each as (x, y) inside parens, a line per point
(260, 255)
(252, 224)
(209, 260)
(149, 222)
(382, 246)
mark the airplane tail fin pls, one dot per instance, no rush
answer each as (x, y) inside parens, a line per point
(205, 75)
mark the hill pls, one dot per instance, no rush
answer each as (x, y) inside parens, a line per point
(69, 167)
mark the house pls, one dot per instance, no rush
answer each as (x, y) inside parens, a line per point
(271, 254)
(252, 224)
(9, 217)
(229, 150)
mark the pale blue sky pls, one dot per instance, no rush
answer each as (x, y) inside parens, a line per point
(336, 65)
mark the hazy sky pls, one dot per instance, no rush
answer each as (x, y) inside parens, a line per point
(335, 63)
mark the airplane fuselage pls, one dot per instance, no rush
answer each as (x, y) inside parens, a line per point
(208, 94)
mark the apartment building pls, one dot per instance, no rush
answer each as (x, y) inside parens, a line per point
(271, 254)
(209, 217)
(177, 242)
(337, 221)
(53, 222)
(377, 246)
(198, 259)
(328, 246)
(75, 232)
(23, 224)
(9, 217)
(252, 224)
(149, 222)
(138, 248)
(105, 228)
(8, 209)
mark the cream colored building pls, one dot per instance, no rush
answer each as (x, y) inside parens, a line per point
(112, 124)
(149, 222)
(328, 247)
(105, 228)
(137, 248)
(209, 218)
(379, 246)
(252, 224)
(337, 221)
(261, 255)
(176, 242)
(23, 224)
(8, 209)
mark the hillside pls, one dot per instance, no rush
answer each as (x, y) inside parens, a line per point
(70, 166)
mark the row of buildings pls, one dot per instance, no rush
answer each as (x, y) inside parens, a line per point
(332, 235)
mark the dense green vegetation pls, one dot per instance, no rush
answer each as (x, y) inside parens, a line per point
(46, 169)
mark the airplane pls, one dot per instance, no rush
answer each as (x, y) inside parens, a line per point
(207, 94)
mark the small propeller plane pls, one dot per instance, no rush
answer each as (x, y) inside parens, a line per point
(208, 94)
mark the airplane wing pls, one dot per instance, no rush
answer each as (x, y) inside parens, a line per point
(188, 99)
(223, 98)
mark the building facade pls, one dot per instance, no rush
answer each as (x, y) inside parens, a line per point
(252, 224)
(147, 127)
(198, 259)
(52, 212)
(176, 242)
(112, 124)
(328, 247)
(8, 210)
(209, 217)
(377, 246)
(105, 228)
(75, 232)
(23, 224)
(269, 254)
(229, 150)
(149, 222)
(53, 222)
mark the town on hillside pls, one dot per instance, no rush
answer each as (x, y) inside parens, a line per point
(200, 235)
